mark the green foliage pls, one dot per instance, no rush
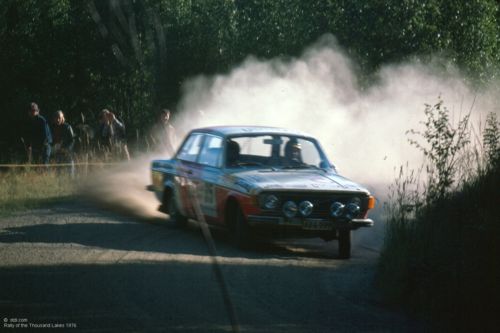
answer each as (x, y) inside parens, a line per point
(491, 140)
(133, 56)
(443, 241)
(465, 32)
(442, 148)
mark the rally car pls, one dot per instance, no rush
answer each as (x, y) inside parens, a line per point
(255, 180)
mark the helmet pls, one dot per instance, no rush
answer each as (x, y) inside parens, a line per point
(293, 150)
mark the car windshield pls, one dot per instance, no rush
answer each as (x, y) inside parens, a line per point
(280, 151)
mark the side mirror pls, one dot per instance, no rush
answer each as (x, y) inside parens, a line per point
(324, 165)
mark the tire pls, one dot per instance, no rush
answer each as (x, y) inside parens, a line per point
(176, 217)
(344, 244)
(242, 236)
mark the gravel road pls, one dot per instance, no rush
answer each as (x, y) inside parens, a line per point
(79, 267)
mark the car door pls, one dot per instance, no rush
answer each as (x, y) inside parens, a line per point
(210, 163)
(188, 173)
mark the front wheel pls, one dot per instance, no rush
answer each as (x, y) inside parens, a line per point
(344, 244)
(242, 236)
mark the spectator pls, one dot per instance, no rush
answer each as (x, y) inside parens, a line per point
(38, 137)
(164, 133)
(111, 135)
(63, 140)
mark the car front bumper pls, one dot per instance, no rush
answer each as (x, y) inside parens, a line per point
(307, 224)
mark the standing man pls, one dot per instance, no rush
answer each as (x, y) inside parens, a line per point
(63, 140)
(39, 137)
(111, 135)
(164, 133)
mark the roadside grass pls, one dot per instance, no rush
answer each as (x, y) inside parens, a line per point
(442, 243)
(29, 188)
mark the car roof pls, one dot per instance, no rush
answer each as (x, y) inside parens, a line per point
(254, 130)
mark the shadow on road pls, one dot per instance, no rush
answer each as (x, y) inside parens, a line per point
(169, 297)
(101, 229)
(158, 278)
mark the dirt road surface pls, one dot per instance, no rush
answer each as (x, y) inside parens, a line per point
(76, 267)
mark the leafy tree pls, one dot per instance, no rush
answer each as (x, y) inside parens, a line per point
(133, 56)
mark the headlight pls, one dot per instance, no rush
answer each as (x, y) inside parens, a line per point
(337, 209)
(305, 208)
(290, 209)
(269, 201)
(352, 210)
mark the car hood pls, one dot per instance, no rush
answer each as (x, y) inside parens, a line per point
(255, 181)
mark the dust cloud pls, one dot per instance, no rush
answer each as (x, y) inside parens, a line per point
(122, 188)
(361, 129)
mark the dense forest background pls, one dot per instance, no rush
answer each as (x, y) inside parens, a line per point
(133, 56)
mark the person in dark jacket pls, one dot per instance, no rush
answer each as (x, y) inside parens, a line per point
(163, 133)
(111, 136)
(63, 140)
(38, 137)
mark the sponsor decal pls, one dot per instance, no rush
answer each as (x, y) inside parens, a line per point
(207, 198)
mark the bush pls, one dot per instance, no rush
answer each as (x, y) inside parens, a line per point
(443, 239)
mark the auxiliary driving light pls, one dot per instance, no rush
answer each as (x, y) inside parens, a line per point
(352, 210)
(270, 201)
(305, 208)
(290, 209)
(337, 209)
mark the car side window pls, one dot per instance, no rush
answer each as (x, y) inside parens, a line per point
(211, 153)
(191, 148)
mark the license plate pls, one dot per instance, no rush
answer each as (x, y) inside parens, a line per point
(317, 225)
(294, 221)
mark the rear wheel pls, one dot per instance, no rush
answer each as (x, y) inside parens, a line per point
(176, 217)
(344, 244)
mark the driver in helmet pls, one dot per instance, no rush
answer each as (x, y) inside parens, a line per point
(293, 152)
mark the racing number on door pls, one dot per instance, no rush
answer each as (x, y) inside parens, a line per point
(206, 195)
